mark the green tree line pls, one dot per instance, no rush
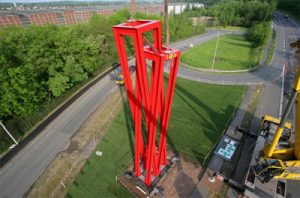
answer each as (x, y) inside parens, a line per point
(41, 65)
(253, 14)
(259, 33)
(237, 12)
(244, 13)
(290, 6)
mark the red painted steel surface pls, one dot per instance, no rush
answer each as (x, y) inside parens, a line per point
(149, 95)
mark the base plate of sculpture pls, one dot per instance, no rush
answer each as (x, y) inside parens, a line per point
(137, 186)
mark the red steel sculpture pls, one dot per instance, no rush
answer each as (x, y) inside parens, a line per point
(150, 158)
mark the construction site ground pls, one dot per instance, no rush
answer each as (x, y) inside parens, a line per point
(188, 179)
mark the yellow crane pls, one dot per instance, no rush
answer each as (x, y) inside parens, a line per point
(280, 159)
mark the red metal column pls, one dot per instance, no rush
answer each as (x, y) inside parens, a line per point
(152, 101)
(167, 108)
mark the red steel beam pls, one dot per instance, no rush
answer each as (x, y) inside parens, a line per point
(148, 96)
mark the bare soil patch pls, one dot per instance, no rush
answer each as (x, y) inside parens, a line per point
(181, 179)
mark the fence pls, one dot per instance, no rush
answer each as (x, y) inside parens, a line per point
(64, 17)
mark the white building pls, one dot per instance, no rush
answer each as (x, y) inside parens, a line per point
(180, 7)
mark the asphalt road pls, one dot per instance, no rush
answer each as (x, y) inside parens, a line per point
(17, 176)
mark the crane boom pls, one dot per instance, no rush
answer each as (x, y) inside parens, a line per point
(270, 149)
(281, 159)
(297, 87)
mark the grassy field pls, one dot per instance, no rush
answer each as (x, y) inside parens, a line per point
(199, 115)
(234, 52)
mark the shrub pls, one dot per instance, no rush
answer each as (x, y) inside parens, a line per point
(258, 33)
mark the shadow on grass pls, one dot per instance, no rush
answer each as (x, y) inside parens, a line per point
(128, 120)
(211, 124)
(244, 44)
(212, 127)
(232, 63)
(213, 115)
(236, 37)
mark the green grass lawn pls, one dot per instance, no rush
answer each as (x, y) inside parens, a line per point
(234, 52)
(232, 28)
(199, 115)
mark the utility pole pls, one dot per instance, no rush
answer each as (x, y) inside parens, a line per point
(8, 133)
(166, 22)
(132, 11)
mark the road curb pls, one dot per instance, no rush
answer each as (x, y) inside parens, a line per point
(44, 123)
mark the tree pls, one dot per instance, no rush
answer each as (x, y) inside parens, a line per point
(243, 13)
(225, 13)
(258, 33)
(58, 83)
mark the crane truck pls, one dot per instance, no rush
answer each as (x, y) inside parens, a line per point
(280, 158)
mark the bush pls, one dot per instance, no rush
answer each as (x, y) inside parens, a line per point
(237, 13)
(181, 27)
(290, 6)
(258, 34)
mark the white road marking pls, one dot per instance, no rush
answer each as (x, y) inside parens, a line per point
(282, 90)
(283, 70)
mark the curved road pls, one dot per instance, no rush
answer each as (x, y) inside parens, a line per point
(17, 176)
